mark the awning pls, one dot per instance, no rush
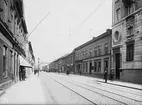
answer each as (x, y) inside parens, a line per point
(24, 63)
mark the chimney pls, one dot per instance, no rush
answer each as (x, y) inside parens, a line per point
(108, 30)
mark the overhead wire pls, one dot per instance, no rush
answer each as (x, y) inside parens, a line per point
(38, 24)
(83, 22)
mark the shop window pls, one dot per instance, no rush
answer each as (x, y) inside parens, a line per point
(4, 57)
(10, 60)
(95, 66)
(86, 66)
(99, 66)
(130, 52)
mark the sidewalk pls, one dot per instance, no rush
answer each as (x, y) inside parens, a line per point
(114, 82)
(24, 92)
(123, 84)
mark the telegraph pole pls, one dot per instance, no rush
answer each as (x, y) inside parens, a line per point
(38, 66)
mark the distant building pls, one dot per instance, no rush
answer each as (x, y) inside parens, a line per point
(127, 40)
(69, 63)
(30, 58)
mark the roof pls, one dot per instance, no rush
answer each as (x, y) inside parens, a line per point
(108, 32)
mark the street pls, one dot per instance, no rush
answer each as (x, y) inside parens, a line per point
(59, 88)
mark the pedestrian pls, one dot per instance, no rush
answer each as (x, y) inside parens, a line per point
(105, 76)
(34, 72)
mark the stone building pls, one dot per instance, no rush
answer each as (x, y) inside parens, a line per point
(13, 33)
(93, 57)
(30, 58)
(127, 40)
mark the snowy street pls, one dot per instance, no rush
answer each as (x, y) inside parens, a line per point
(59, 88)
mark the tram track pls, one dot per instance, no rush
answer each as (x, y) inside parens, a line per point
(72, 90)
(60, 82)
(121, 90)
(85, 86)
(105, 90)
(117, 88)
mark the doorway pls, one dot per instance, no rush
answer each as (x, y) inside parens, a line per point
(106, 65)
(117, 65)
(90, 68)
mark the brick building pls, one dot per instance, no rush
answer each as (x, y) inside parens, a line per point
(127, 40)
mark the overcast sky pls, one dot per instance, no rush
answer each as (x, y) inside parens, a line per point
(62, 30)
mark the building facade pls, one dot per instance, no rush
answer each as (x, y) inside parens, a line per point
(63, 64)
(127, 40)
(13, 33)
(30, 58)
(93, 57)
(69, 62)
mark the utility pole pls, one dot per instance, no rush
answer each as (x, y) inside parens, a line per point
(38, 66)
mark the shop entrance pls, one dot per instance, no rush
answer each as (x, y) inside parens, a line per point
(90, 68)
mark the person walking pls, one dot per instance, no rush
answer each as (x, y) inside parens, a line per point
(105, 76)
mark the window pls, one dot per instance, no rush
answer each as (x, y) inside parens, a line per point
(10, 60)
(86, 66)
(95, 51)
(4, 57)
(99, 50)
(106, 48)
(90, 52)
(130, 30)
(99, 66)
(116, 35)
(83, 69)
(130, 52)
(131, 8)
(118, 14)
(95, 66)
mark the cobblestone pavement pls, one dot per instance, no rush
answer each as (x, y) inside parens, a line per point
(54, 88)
(98, 92)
